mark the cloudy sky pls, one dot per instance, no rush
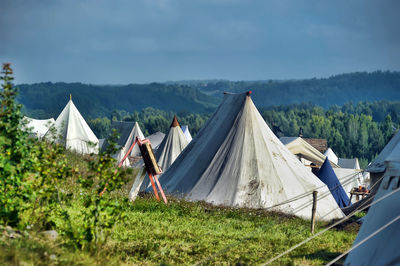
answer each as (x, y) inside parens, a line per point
(135, 41)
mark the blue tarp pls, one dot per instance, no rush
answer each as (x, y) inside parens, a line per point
(328, 176)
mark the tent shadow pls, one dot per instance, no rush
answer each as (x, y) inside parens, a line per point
(322, 254)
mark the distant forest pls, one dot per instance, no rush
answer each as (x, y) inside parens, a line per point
(344, 109)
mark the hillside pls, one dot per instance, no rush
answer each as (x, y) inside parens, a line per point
(47, 99)
(339, 89)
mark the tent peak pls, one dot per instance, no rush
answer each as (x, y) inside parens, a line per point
(175, 122)
(247, 93)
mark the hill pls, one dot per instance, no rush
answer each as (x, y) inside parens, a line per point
(42, 100)
(47, 99)
(325, 92)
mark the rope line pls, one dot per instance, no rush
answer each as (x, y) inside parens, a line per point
(363, 241)
(329, 227)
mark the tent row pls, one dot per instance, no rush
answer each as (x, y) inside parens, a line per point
(234, 160)
(71, 130)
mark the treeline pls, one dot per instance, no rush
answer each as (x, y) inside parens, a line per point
(44, 100)
(351, 130)
(338, 89)
(150, 121)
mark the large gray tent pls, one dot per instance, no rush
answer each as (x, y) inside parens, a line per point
(378, 167)
(236, 160)
(382, 219)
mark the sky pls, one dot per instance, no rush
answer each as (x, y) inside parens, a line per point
(140, 41)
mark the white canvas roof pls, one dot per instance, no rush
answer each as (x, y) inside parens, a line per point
(171, 146)
(73, 131)
(382, 248)
(136, 132)
(125, 130)
(302, 148)
(236, 160)
(156, 139)
(378, 166)
(186, 132)
(38, 127)
(331, 155)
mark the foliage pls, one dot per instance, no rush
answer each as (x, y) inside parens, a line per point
(150, 121)
(15, 164)
(350, 134)
(44, 100)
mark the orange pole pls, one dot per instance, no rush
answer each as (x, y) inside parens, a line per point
(154, 186)
(161, 190)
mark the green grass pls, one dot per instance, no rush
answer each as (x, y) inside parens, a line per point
(185, 233)
(180, 232)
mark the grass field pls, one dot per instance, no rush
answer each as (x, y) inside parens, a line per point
(187, 233)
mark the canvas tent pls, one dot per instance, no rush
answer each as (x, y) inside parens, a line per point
(156, 139)
(126, 131)
(382, 248)
(378, 167)
(136, 132)
(236, 160)
(328, 176)
(304, 151)
(186, 132)
(170, 148)
(38, 127)
(72, 131)
(331, 155)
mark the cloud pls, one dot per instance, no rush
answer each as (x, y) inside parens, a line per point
(178, 39)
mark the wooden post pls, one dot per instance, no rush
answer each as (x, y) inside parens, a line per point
(313, 210)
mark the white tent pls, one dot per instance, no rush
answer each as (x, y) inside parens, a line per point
(186, 132)
(38, 127)
(305, 151)
(126, 138)
(331, 155)
(72, 131)
(156, 139)
(171, 146)
(382, 248)
(236, 160)
(136, 132)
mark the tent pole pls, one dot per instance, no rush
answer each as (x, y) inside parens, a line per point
(161, 190)
(154, 186)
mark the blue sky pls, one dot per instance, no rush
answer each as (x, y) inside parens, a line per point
(136, 41)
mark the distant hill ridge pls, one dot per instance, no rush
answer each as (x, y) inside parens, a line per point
(44, 99)
(198, 96)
